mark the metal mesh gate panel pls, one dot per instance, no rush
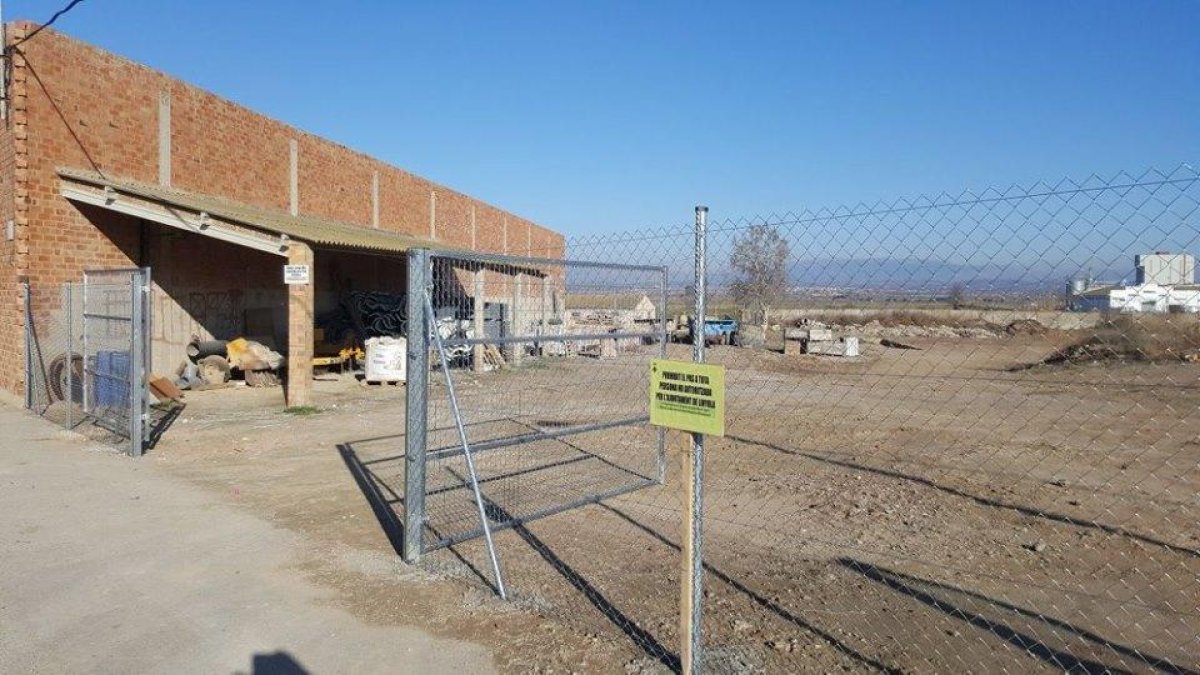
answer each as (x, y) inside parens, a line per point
(115, 350)
(544, 444)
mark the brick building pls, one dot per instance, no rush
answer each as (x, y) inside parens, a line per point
(105, 163)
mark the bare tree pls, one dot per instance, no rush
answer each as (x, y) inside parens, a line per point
(759, 261)
(689, 297)
(957, 295)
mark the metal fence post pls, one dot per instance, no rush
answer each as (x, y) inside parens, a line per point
(147, 331)
(416, 404)
(69, 398)
(662, 354)
(693, 557)
(28, 343)
(87, 406)
(137, 364)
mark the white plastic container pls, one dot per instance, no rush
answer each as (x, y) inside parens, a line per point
(386, 359)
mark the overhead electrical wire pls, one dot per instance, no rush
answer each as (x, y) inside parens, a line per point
(55, 17)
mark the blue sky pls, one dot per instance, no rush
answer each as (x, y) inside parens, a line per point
(592, 117)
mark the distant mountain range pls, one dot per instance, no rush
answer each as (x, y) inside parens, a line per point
(913, 274)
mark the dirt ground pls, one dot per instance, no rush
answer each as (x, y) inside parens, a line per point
(102, 575)
(926, 510)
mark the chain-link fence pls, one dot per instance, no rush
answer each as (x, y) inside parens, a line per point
(963, 434)
(54, 365)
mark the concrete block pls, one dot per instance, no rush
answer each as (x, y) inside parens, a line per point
(608, 348)
(753, 336)
(843, 347)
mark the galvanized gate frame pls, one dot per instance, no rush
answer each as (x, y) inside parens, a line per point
(421, 325)
(139, 320)
(466, 446)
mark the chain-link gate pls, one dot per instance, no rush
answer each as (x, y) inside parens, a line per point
(88, 354)
(477, 463)
(116, 352)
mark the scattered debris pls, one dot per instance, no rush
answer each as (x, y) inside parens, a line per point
(248, 355)
(892, 344)
(164, 389)
(492, 357)
(892, 324)
(367, 314)
(1026, 327)
(213, 370)
(215, 360)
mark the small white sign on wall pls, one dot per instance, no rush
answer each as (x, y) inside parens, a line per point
(295, 275)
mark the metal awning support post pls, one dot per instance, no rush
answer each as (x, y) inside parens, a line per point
(466, 446)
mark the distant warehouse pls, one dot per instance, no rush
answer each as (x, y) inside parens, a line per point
(1166, 282)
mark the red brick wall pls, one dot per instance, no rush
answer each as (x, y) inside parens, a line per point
(74, 105)
(11, 261)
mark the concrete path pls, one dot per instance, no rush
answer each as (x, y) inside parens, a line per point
(108, 565)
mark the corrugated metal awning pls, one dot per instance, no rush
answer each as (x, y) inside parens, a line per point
(258, 227)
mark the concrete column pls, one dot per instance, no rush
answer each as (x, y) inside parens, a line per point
(474, 240)
(375, 199)
(517, 349)
(545, 320)
(477, 313)
(294, 177)
(528, 239)
(504, 234)
(432, 214)
(300, 329)
(164, 139)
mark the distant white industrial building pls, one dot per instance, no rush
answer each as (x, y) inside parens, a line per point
(1165, 269)
(1166, 282)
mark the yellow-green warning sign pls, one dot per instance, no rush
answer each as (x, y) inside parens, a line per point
(687, 396)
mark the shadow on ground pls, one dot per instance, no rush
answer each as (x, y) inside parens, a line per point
(982, 501)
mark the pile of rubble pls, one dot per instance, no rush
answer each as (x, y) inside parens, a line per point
(876, 329)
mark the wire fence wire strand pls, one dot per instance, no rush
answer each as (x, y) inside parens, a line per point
(962, 434)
